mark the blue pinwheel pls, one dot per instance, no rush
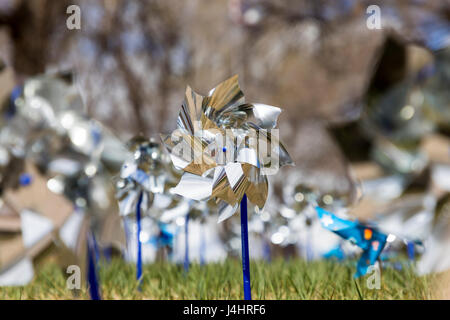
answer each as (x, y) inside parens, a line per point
(164, 238)
(370, 240)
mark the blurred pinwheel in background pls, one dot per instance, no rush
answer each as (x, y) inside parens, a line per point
(69, 158)
(370, 240)
(146, 172)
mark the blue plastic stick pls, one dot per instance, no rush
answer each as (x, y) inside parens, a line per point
(94, 289)
(139, 245)
(267, 252)
(410, 250)
(245, 255)
(186, 241)
(202, 248)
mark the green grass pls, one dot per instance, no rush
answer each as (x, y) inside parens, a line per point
(280, 279)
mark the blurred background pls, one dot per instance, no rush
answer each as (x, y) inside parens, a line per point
(315, 59)
(366, 114)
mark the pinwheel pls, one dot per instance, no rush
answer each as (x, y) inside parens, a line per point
(297, 198)
(156, 238)
(179, 211)
(436, 258)
(198, 213)
(145, 173)
(411, 220)
(226, 148)
(370, 240)
(48, 127)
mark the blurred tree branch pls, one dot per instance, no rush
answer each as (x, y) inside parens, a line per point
(31, 25)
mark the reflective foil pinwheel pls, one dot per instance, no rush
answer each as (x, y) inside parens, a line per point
(145, 173)
(70, 157)
(225, 147)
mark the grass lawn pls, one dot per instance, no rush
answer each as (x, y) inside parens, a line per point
(280, 279)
